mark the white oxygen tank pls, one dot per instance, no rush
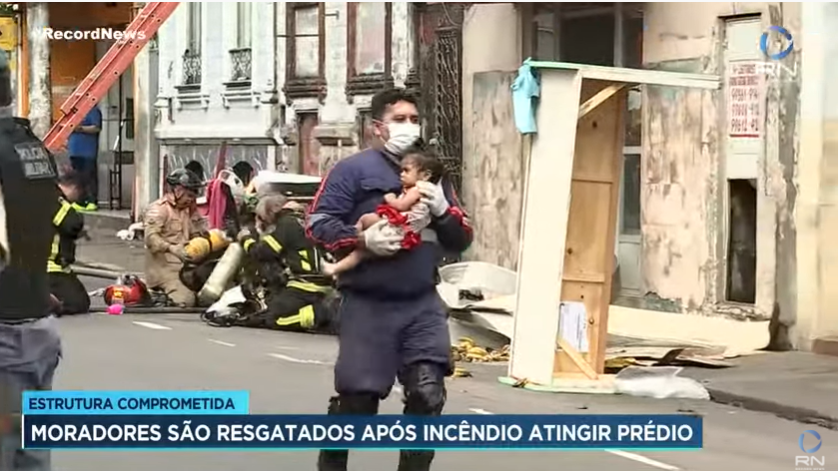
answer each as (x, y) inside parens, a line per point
(221, 276)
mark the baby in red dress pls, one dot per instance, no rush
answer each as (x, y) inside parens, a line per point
(405, 211)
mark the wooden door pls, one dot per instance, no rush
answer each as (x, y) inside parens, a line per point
(70, 62)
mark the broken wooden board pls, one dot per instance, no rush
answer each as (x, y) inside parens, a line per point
(736, 337)
(603, 385)
(667, 356)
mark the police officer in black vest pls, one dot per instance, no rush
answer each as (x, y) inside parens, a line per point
(30, 347)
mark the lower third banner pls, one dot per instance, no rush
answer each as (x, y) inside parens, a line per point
(297, 432)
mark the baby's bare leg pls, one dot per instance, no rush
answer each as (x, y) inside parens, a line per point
(368, 220)
(353, 259)
(345, 264)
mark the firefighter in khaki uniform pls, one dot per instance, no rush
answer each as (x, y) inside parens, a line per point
(170, 223)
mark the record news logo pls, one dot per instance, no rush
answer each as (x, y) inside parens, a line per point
(95, 34)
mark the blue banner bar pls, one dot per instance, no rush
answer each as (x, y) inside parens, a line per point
(298, 432)
(136, 402)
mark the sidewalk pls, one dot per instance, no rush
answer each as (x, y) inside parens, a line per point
(794, 385)
(106, 248)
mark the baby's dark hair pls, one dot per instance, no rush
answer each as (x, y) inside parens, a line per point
(426, 161)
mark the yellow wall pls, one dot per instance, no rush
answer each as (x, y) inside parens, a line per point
(71, 61)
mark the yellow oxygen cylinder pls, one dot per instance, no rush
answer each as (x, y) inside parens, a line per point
(201, 247)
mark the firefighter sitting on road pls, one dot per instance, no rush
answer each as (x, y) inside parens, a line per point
(64, 285)
(289, 264)
(170, 223)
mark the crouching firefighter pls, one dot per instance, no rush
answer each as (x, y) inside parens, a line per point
(297, 295)
(69, 227)
(170, 223)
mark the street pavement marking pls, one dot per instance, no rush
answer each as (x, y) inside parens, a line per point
(221, 342)
(151, 325)
(624, 454)
(644, 460)
(298, 360)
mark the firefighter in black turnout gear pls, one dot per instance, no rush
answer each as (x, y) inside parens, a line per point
(31, 347)
(289, 264)
(64, 285)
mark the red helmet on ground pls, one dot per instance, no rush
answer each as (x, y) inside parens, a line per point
(131, 292)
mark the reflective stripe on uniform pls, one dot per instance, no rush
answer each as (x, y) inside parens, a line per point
(52, 266)
(304, 260)
(272, 243)
(308, 287)
(304, 317)
(247, 244)
(62, 213)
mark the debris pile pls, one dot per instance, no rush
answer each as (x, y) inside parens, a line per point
(468, 352)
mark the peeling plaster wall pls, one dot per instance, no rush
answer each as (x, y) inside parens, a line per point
(40, 94)
(684, 222)
(493, 172)
(678, 183)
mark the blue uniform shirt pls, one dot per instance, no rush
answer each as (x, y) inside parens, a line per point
(86, 145)
(356, 186)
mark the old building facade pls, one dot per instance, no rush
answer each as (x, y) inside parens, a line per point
(286, 85)
(47, 70)
(217, 82)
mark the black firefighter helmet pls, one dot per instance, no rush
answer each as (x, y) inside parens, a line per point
(185, 178)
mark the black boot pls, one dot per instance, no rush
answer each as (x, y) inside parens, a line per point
(415, 460)
(336, 460)
(425, 395)
(333, 460)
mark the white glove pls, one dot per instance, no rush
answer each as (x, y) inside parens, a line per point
(434, 197)
(382, 239)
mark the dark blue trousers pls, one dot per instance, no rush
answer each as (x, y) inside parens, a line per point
(379, 339)
(88, 169)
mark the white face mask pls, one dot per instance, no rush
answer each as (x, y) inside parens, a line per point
(402, 136)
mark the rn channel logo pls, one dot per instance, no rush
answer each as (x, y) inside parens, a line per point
(809, 462)
(776, 43)
(784, 36)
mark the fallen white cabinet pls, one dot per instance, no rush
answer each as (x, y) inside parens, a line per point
(570, 215)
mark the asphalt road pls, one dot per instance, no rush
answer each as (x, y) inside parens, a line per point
(292, 373)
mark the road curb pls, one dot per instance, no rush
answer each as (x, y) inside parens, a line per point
(101, 266)
(797, 414)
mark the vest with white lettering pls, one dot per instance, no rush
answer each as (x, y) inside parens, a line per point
(28, 203)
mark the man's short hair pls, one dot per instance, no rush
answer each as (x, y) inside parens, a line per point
(389, 97)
